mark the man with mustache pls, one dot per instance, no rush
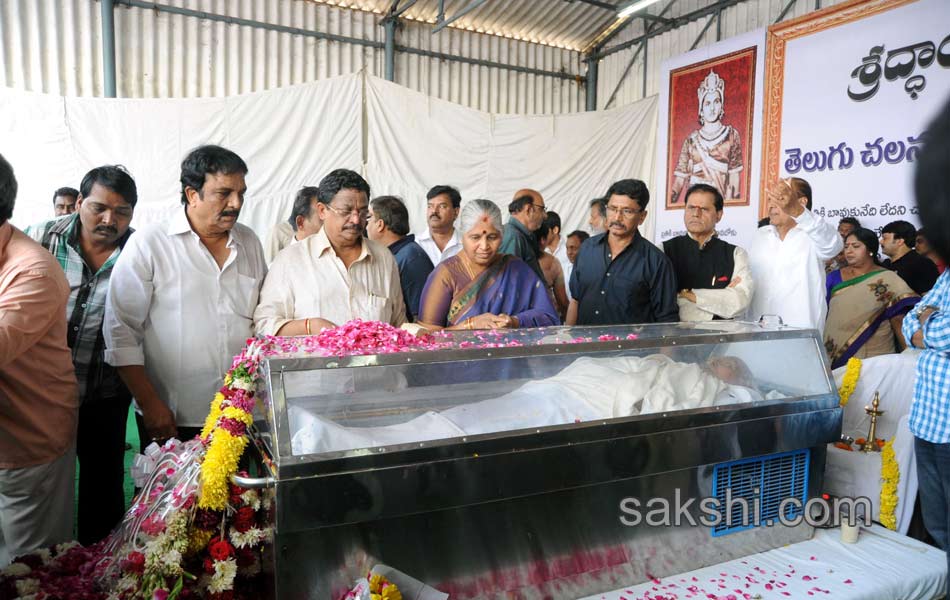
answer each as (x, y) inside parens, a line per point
(619, 277)
(335, 275)
(441, 240)
(527, 213)
(64, 201)
(597, 217)
(182, 296)
(712, 276)
(86, 245)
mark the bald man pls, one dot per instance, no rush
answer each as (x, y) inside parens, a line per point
(527, 212)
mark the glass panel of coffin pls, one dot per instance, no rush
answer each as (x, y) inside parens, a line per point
(501, 471)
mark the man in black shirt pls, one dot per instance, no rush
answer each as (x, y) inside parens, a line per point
(897, 242)
(618, 276)
(713, 276)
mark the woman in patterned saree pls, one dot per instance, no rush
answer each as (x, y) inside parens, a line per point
(481, 289)
(866, 304)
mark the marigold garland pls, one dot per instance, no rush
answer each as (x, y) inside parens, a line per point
(850, 381)
(890, 477)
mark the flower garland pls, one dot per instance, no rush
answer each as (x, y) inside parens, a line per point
(850, 381)
(890, 477)
(374, 587)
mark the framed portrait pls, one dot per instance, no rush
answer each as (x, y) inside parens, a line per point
(711, 105)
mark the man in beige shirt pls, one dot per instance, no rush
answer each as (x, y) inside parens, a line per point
(39, 402)
(335, 275)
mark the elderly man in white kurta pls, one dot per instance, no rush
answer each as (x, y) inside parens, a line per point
(788, 258)
(181, 298)
(335, 275)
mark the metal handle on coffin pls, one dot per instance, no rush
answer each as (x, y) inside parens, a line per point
(253, 483)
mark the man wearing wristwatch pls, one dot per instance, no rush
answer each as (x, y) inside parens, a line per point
(713, 276)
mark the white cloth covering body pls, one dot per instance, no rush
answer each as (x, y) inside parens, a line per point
(171, 309)
(588, 389)
(309, 280)
(790, 274)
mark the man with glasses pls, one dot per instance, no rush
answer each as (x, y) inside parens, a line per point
(181, 297)
(712, 276)
(335, 275)
(619, 277)
(87, 245)
(527, 212)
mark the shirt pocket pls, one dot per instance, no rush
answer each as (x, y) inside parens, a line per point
(244, 296)
(378, 307)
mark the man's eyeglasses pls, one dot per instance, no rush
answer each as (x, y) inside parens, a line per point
(361, 213)
(626, 212)
(543, 208)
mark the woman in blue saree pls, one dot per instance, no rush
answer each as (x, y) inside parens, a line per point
(866, 304)
(481, 289)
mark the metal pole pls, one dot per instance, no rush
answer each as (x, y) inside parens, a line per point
(592, 65)
(646, 66)
(107, 10)
(389, 25)
(719, 25)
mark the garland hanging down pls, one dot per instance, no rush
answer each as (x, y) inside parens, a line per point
(850, 381)
(890, 477)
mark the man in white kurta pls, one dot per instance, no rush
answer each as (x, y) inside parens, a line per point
(335, 275)
(788, 257)
(181, 298)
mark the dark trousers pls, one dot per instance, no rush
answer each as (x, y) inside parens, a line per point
(100, 448)
(184, 433)
(933, 475)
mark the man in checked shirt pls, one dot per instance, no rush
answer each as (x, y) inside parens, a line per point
(86, 244)
(927, 327)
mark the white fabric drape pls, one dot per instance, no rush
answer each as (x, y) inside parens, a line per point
(288, 137)
(415, 142)
(293, 136)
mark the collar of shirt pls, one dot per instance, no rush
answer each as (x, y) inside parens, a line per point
(179, 224)
(602, 239)
(714, 235)
(399, 244)
(520, 227)
(426, 236)
(320, 244)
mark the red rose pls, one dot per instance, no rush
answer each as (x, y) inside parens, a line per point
(208, 565)
(220, 549)
(135, 563)
(244, 518)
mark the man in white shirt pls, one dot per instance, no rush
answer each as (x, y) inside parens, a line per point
(556, 245)
(336, 275)
(713, 278)
(441, 240)
(788, 257)
(303, 222)
(181, 298)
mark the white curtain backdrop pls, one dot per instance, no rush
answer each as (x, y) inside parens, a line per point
(289, 138)
(292, 137)
(415, 142)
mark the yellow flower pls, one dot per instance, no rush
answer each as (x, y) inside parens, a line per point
(850, 381)
(890, 477)
(198, 539)
(375, 582)
(212, 420)
(391, 592)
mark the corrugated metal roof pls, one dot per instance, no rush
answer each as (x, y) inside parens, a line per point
(570, 24)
